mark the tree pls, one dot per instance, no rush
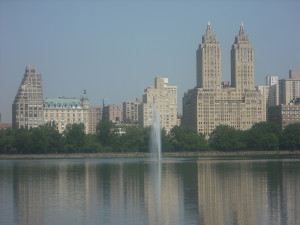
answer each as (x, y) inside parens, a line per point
(54, 138)
(186, 140)
(105, 133)
(38, 141)
(225, 138)
(7, 142)
(290, 139)
(263, 136)
(133, 140)
(23, 141)
(74, 135)
(166, 141)
(92, 144)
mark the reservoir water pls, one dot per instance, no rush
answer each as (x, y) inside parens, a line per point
(205, 191)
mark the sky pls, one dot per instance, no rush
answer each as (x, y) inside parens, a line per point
(115, 48)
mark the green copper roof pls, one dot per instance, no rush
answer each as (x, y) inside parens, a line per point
(63, 102)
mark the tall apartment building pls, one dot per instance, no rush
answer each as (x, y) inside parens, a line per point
(264, 90)
(112, 113)
(163, 98)
(211, 104)
(131, 112)
(209, 61)
(272, 83)
(64, 111)
(242, 62)
(27, 108)
(289, 89)
(95, 116)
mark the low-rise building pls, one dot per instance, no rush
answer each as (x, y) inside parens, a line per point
(5, 126)
(285, 114)
(64, 111)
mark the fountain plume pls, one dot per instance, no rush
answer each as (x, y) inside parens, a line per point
(155, 144)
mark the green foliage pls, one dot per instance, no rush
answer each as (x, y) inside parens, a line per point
(74, 137)
(186, 140)
(105, 134)
(92, 145)
(166, 141)
(7, 142)
(225, 138)
(136, 139)
(23, 141)
(46, 139)
(263, 136)
(291, 137)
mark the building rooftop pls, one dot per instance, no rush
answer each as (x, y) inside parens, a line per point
(62, 101)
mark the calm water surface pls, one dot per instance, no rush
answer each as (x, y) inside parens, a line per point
(205, 191)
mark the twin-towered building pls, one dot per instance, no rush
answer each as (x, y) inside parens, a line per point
(213, 102)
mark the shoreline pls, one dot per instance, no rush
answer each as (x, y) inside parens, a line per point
(146, 155)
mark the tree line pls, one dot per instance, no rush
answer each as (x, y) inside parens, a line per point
(47, 140)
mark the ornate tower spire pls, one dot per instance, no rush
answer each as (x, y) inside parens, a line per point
(209, 36)
(241, 32)
(242, 62)
(208, 27)
(209, 61)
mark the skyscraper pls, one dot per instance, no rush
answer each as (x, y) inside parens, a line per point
(213, 103)
(273, 95)
(209, 61)
(242, 62)
(27, 108)
(160, 97)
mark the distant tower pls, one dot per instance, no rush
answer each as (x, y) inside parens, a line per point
(273, 98)
(271, 80)
(209, 61)
(242, 62)
(27, 108)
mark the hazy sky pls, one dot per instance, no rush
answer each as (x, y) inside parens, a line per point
(115, 49)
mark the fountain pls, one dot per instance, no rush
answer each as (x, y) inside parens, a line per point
(155, 144)
(155, 169)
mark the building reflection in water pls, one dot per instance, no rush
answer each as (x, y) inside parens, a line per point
(206, 192)
(247, 192)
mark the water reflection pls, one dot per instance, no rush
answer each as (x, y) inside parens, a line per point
(139, 191)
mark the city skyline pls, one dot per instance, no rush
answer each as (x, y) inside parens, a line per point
(104, 47)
